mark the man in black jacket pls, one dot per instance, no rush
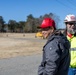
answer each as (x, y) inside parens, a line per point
(56, 56)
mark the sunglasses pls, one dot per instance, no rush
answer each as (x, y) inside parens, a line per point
(71, 23)
(45, 29)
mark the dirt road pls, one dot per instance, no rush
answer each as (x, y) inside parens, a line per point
(21, 65)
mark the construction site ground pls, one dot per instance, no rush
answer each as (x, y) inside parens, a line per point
(20, 44)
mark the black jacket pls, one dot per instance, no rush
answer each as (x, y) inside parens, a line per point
(56, 57)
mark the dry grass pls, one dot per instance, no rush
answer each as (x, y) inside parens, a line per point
(17, 44)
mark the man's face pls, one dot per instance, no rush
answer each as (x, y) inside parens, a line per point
(47, 31)
(71, 27)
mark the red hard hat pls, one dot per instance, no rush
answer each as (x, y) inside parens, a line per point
(47, 22)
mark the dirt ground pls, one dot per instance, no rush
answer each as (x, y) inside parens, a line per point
(19, 44)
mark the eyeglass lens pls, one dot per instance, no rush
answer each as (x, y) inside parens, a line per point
(71, 23)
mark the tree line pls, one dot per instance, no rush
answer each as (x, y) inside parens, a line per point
(29, 26)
